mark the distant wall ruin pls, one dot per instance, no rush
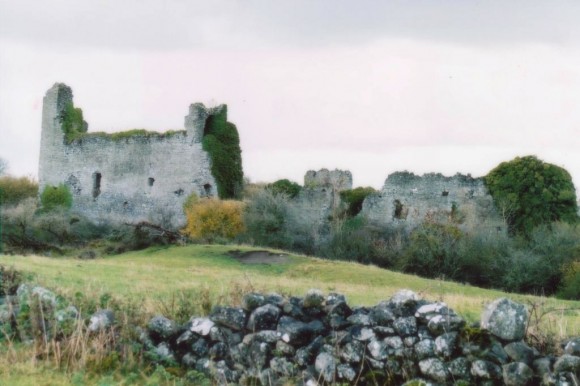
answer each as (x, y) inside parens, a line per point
(405, 201)
(409, 200)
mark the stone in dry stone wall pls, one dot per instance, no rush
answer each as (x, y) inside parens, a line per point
(505, 319)
(320, 340)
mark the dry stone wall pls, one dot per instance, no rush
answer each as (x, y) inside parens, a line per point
(137, 178)
(321, 340)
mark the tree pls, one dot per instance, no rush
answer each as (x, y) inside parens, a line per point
(3, 166)
(285, 186)
(535, 192)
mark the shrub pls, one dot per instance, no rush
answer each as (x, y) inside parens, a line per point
(266, 218)
(209, 218)
(16, 189)
(53, 197)
(350, 240)
(354, 198)
(433, 251)
(530, 192)
(18, 219)
(528, 273)
(285, 186)
(570, 288)
(222, 142)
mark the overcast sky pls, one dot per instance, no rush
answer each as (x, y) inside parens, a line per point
(369, 86)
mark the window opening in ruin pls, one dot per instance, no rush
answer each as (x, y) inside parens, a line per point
(96, 184)
(399, 210)
(150, 181)
(445, 193)
(207, 189)
(178, 192)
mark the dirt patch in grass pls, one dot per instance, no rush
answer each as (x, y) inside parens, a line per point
(259, 257)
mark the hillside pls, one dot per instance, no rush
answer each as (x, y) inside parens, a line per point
(159, 273)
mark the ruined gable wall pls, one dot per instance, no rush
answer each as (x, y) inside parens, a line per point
(408, 200)
(141, 177)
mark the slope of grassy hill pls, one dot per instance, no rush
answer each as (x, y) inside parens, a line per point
(158, 278)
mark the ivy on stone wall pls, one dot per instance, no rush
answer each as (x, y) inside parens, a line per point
(222, 142)
(73, 123)
(354, 198)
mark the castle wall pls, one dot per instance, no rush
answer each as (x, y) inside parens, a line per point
(408, 200)
(138, 178)
(319, 199)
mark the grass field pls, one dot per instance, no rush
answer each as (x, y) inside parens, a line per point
(155, 277)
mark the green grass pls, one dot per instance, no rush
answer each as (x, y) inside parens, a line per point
(160, 272)
(154, 276)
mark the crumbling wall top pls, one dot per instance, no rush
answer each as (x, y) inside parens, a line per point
(405, 179)
(338, 179)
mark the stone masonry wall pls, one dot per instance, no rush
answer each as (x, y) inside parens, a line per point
(320, 198)
(138, 178)
(408, 200)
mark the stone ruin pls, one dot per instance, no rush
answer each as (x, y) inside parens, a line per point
(141, 177)
(405, 201)
(147, 177)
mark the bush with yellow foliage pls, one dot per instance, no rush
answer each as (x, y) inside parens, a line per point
(209, 219)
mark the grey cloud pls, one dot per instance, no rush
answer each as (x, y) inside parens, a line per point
(183, 24)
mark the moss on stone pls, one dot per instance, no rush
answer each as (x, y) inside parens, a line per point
(133, 133)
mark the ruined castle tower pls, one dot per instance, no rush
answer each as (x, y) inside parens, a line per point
(125, 177)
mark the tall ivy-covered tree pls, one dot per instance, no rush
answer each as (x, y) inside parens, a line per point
(531, 192)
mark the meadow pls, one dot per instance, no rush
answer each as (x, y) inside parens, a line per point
(174, 280)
